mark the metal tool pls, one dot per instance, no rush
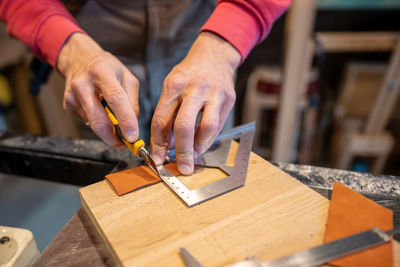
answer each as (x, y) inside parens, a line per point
(315, 256)
(137, 148)
(189, 259)
(216, 157)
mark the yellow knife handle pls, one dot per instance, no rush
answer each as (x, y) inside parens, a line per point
(133, 147)
(136, 146)
(111, 116)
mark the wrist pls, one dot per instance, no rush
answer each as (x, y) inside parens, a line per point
(71, 53)
(218, 49)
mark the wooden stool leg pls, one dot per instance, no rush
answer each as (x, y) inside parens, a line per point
(299, 27)
(387, 97)
(346, 156)
(379, 164)
(25, 102)
(355, 144)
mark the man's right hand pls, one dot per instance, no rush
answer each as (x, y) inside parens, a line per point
(92, 73)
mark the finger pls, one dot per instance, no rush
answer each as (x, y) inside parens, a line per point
(161, 128)
(226, 108)
(171, 141)
(184, 126)
(131, 86)
(164, 117)
(208, 128)
(118, 100)
(96, 115)
(70, 104)
(214, 117)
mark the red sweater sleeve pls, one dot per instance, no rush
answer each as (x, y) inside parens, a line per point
(245, 23)
(44, 25)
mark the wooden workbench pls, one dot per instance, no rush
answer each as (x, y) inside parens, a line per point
(78, 244)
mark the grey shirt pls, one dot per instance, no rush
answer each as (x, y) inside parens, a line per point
(149, 36)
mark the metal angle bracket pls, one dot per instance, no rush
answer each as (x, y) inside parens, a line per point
(215, 157)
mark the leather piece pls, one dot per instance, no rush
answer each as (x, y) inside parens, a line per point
(351, 213)
(136, 178)
(132, 179)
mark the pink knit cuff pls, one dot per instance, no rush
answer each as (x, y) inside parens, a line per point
(235, 24)
(52, 35)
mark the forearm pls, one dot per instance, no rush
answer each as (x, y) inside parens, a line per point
(210, 47)
(245, 23)
(44, 25)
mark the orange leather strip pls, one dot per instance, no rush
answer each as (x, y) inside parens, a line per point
(351, 213)
(137, 178)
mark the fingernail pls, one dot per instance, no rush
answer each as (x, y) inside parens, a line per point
(156, 159)
(131, 135)
(195, 154)
(185, 169)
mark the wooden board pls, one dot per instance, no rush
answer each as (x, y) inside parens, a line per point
(345, 42)
(271, 216)
(359, 89)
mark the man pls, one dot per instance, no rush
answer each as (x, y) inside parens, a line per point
(162, 31)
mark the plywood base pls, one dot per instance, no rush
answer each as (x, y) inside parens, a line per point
(271, 216)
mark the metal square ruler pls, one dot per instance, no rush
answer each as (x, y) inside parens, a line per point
(215, 157)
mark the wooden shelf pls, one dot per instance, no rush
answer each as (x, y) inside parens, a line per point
(357, 41)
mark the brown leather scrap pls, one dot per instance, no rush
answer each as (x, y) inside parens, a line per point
(136, 178)
(351, 213)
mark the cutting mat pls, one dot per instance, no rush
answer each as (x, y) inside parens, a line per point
(271, 216)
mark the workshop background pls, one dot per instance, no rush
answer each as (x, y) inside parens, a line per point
(339, 60)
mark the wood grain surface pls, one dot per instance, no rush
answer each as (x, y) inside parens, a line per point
(271, 216)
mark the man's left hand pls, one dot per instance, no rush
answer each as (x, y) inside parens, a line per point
(202, 82)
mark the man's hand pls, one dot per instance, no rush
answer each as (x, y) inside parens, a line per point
(92, 73)
(202, 82)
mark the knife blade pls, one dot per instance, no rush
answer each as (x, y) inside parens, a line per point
(137, 148)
